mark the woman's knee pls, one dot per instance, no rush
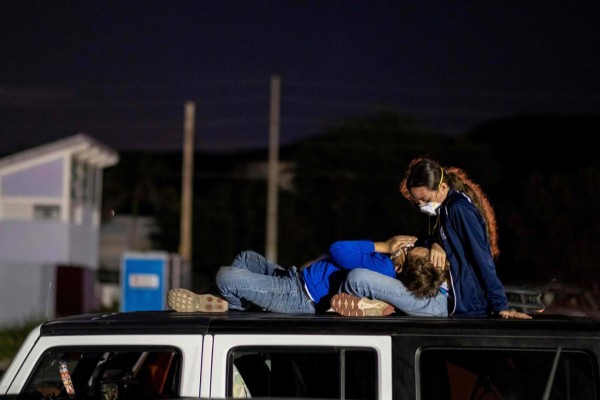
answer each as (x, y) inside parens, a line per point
(355, 280)
(244, 258)
(228, 276)
(359, 274)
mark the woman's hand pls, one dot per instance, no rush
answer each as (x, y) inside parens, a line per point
(437, 256)
(398, 242)
(394, 247)
(514, 314)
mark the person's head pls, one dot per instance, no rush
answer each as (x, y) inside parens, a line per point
(426, 184)
(420, 276)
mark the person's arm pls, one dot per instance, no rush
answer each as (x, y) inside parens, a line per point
(437, 255)
(395, 246)
(395, 243)
(352, 254)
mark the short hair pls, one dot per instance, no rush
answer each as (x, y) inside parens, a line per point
(421, 277)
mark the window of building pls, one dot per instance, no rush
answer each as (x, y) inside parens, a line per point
(315, 372)
(91, 184)
(76, 180)
(105, 373)
(51, 212)
(505, 374)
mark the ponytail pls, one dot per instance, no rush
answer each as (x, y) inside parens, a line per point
(458, 180)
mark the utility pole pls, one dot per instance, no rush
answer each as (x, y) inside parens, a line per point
(273, 170)
(187, 189)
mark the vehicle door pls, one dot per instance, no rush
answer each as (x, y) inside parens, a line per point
(108, 367)
(292, 366)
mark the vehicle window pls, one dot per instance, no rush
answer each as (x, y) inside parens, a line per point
(105, 373)
(505, 374)
(338, 373)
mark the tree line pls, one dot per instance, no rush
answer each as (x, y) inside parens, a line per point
(540, 173)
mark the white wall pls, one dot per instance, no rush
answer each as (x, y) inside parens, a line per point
(34, 242)
(28, 293)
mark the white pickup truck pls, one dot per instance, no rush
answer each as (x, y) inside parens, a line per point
(165, 354)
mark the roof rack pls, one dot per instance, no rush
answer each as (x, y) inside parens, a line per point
(524, 299)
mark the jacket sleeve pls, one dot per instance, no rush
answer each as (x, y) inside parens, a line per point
(360, 254)
(470, 226)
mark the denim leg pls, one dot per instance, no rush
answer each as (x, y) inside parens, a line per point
(281, 292)
(364, 283)
(257, 263)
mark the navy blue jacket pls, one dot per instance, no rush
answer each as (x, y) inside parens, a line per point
(461, 232)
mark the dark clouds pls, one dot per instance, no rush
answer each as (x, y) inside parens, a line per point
(121, 71)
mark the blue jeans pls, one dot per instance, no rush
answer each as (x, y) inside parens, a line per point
(364, 283)
(253, 280)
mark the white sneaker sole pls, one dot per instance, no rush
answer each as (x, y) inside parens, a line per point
(183, 300)
(352, 306)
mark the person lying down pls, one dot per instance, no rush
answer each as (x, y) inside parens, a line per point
(252, 282)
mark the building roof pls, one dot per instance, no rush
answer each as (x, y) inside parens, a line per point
(81, 145)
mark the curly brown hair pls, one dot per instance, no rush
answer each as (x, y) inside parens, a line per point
(427, 172)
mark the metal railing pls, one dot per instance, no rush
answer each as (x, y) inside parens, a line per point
(526, 300)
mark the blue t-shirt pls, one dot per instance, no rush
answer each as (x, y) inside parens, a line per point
(323, 277)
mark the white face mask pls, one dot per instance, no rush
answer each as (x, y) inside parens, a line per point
(430, 208)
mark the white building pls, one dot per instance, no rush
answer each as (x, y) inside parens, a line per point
(49, 228)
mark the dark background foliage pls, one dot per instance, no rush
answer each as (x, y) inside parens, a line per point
(539, 173)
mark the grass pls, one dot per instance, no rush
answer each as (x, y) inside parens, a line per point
(12, 338)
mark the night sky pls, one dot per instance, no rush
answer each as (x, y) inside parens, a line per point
(121, 71)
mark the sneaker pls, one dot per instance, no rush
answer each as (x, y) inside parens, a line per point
(183, 300)
(352, 306)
